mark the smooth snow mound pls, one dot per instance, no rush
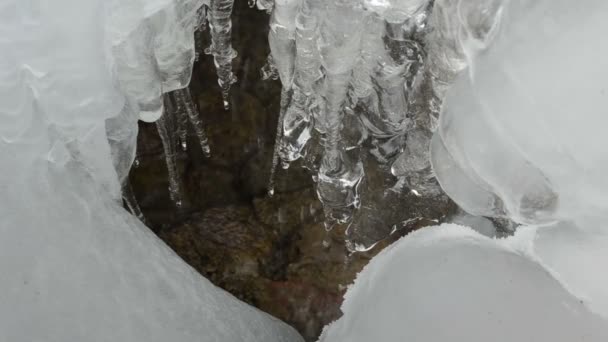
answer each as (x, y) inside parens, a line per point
(449, 283)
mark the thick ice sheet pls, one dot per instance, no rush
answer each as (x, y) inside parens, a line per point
(524, 128)
(74, 266)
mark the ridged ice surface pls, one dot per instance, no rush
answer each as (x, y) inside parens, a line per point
(74, 77)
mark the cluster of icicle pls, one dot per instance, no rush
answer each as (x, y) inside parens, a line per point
(169, 102)
(355, 74)
(367, 74)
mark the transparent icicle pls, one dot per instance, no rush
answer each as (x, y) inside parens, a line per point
(371, 44)
(297, 121)
(186, 105)
(278, 135)
(181, 120)
(281, 39)
(221, 45)
(164, 127)
(339, 176)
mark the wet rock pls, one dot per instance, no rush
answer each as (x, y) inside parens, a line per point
(289, 210)
(226, 245)
(256, 173)
(208, 186)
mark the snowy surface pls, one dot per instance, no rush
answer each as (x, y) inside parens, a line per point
(74, 266)
(449, 283)
(577, 259)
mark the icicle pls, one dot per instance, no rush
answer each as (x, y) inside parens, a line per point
(269, 70)
(413, 165)
(221, 47)
(339, 177)
(164, 127)
(297, 122)
(281, 39)
(371, 45)
(187, 106)
(181, 119)
(296, 128)
(277, 141)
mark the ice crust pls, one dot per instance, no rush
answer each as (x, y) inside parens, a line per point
(75, 75)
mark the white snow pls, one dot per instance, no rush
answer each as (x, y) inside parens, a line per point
(448, 283)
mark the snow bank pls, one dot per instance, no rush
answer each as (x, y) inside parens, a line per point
(449, 283)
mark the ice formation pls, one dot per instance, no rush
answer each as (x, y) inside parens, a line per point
(541, 122)
(519, 137)
(357, 77)
(179, 106)
(74, 77)
(367, 75)
(339, 59)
